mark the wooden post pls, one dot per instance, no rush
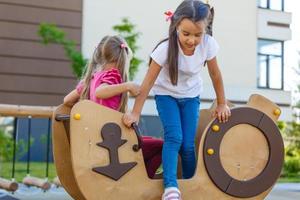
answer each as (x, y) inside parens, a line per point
(10, 186)
(37, 182)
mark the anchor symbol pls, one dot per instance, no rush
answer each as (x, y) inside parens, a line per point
(111, 134)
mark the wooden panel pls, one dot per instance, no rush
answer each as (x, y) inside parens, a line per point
(248, 162)
(25, 111)
(62, 155)
(75, 5)
(42, 85)
(10, 65)
(31, 50)
(29, 32)
(30, 99)
(86, 154)
(37, 15)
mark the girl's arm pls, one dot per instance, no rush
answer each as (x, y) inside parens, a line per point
(147, 84)
(222, 111)
(71, 98)
(105, 90)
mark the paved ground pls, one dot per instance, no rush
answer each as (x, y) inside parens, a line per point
(287, 191)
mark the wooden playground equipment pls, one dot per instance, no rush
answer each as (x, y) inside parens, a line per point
(26, 112)
(97, 157)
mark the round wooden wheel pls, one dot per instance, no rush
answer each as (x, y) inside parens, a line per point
(244, 156)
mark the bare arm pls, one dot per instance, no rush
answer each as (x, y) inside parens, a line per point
(105, 90)
(147, 84)
(216, 77)
(222, 111)
(71, 98)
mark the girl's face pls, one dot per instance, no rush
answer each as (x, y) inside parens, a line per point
(190, 35)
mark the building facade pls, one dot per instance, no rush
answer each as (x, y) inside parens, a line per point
(251, 35)
(30, 72)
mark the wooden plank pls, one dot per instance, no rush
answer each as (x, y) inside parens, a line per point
(29, 32)
(21, 66)
(42, 85)
(31, 50)
(37, 15)
(30, 99)
(73, 5)
(21, 110)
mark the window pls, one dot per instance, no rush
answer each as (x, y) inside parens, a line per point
(270, 64)
(271, 4)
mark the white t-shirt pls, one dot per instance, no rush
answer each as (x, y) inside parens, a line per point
(189, 79)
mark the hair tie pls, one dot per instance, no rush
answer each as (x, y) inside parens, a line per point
(169, 15)
(123, 46)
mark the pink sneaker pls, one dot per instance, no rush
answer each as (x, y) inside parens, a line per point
(171, 193)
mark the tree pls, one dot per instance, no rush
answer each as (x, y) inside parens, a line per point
(127, 30)
(291, 133)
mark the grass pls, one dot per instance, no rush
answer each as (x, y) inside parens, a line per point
(37, 169)
(291, 179)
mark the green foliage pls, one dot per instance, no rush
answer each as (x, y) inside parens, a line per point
(292, 130)
(127, 30)
(37, 169)
(281, 125)
(291, 135)
(50, 33)
(7, 147)
(291, 166)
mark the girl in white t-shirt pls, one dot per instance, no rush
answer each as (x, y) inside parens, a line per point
(174, 75)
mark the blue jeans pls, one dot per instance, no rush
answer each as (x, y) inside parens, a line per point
(179, 118)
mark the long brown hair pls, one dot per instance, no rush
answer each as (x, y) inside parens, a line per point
(193, 10)
(111, 49)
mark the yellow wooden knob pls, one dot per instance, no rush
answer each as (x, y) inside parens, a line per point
(277, 112)
(77, 116)
(215, 128)
(210, 151)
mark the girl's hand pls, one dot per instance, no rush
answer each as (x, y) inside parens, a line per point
(133, 89)
(222, 112)
(129, 118)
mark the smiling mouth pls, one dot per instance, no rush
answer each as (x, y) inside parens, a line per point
(190, 46)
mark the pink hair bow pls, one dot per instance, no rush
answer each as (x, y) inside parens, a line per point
(169, 15)
(123, 46)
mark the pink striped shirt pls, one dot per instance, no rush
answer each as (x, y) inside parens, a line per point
(110, 77)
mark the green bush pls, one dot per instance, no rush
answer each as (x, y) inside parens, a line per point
(291, 165)
(7, 147)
